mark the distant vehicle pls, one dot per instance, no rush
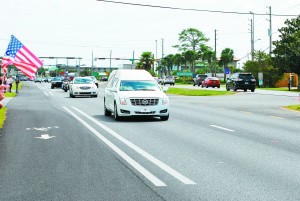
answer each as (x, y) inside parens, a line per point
(211, 82)
(65, 84)
(168, 80)
(23, 78)
(103, 79)
(135, 93)
(243, 81)
(157, 80)
(94, 80)
(199, 79)
(37, 79)
(45, 79)
(83, 86)
(56, 82)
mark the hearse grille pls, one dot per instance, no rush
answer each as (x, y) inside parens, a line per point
(144, 101)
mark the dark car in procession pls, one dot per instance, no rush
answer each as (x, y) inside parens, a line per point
(242, 81)
(56, 82)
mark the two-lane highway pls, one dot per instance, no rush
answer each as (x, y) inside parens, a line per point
(238, 147)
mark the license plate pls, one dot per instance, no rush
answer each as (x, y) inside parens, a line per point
(246, 83)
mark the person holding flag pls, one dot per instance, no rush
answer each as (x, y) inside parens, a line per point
(21, 57)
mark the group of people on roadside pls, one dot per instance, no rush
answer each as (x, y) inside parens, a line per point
(6, 86)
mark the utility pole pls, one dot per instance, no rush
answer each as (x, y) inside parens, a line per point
(215, 63)
(110, 61)
(252, 39)
(270, 30)
(92, 62)
(155, 55)
(162, 53)
(132, 59)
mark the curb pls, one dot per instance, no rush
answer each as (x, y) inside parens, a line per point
(6, 100)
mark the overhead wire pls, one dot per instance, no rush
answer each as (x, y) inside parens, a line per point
(191, 9)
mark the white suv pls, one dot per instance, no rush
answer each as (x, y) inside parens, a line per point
(135, 93)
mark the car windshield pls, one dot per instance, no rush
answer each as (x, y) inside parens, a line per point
(130, 85)
(245, 76)
(83, 81)
(57, 79)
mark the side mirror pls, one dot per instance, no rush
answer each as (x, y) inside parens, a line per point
(165, 89)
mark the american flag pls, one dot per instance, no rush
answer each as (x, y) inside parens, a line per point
(21, 57)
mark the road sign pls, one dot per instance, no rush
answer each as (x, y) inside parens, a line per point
(260, 79)
(185, 74)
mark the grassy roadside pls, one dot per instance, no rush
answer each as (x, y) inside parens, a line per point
(194, 92)
(293, 107)
(280, 89)
(2, 116)
(10, 95)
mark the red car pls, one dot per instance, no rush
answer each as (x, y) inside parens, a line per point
(211, 82)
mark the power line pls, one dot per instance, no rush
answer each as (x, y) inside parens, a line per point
(192, 9)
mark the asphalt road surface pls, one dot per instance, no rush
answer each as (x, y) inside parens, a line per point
(237, 147)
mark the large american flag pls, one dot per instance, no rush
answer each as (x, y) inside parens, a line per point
(21, 57)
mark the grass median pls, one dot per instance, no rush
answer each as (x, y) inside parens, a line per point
(293, 107)
(197, 92)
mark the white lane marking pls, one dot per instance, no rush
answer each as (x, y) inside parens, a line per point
(276, 117)
(219, 127)
(246, 112)
(46, 93)
(133, 163)
(51, 93)
(45, 137)
(145, 154)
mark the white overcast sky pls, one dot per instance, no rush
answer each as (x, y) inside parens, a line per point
(76, 28)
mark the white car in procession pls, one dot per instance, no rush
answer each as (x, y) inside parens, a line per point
(83, 86)
(135, 93)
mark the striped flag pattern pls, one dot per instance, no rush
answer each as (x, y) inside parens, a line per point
(21, 57)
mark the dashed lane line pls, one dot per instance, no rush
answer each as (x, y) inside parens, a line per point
(145, 154)
(133, 163)
(222, 128)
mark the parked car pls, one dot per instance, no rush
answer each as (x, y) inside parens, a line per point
(37, 79)
(211, 82)
(56, 82)
(94, 80)
(199, 78)
(168, 80)
(135, 93)
(83, 86)
(243, 81)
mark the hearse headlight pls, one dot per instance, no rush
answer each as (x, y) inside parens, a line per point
(122, 100)
(165, 100)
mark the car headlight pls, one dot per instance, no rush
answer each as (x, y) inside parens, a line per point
(165, 100)
(76, 87)
(122, 101)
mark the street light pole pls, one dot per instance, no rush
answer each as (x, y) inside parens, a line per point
(110, 61)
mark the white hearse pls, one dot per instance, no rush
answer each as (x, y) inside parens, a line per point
(135, 93)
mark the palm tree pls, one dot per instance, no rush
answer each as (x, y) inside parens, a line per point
(169, 62)
(227, 56)
(177, 60)
(147, 59)
(209, 55)
(191, 57)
